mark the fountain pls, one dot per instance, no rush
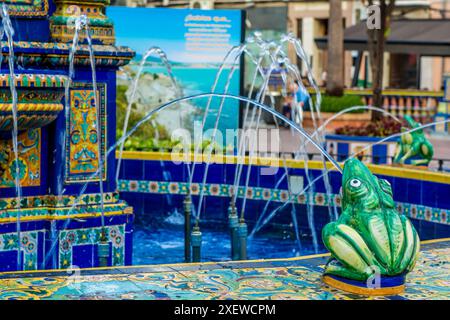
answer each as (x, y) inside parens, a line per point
(46, 225)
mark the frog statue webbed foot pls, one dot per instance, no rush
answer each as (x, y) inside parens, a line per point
(370, 235)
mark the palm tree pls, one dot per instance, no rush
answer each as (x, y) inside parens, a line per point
(335, 69)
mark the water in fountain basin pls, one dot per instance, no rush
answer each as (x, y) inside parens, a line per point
(164, 243)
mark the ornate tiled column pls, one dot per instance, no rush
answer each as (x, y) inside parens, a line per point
(59, 228)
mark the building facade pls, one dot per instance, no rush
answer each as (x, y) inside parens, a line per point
(308, 20)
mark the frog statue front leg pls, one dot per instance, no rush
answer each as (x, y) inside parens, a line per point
(413, 147)
(370, 236)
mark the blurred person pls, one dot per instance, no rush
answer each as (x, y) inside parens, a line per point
(301, 101)
(287, 108)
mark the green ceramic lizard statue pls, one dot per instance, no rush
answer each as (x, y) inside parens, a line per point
(370, 233)
(413, 147)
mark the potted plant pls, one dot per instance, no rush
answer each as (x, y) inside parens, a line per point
(331, 105)
(349, 140)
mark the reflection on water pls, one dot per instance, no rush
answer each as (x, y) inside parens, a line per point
(162, 243)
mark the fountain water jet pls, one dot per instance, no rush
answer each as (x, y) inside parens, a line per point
(163, 57)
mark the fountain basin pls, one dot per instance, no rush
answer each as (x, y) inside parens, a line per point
(39, 100)
(343, 146)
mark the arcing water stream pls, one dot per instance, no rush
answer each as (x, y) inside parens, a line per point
(165, 61)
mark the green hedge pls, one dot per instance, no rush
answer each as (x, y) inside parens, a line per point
(336, 104)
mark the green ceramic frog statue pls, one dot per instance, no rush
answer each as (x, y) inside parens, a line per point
(413, 147)
(370, 234)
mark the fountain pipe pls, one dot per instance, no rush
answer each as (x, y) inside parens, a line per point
(196, 239)
(243, 234)
(103, 250)
(233, 222)
(187, 227)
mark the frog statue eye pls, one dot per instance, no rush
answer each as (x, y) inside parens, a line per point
(355, 183)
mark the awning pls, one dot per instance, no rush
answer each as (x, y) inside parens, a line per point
(428, 37)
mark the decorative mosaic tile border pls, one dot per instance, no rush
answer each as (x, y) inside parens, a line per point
(91, 236)
(33, 8)
(56, 202)
(56, 54)
(277, 195)
(48, 208)
(67, 46)
(66, 213)
(35, 80)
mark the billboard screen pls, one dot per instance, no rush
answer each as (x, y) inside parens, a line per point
(195, 43)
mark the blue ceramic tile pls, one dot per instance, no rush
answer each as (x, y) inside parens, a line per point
(215, 173)
(8, 261)
(400, 190)
(342, 151)
(83, 256)
(379, 154)
(133, 169)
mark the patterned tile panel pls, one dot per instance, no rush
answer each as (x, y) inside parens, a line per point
(82, 147)
(29, 147)
(91, 236)
(28, 8)
(28, 246)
